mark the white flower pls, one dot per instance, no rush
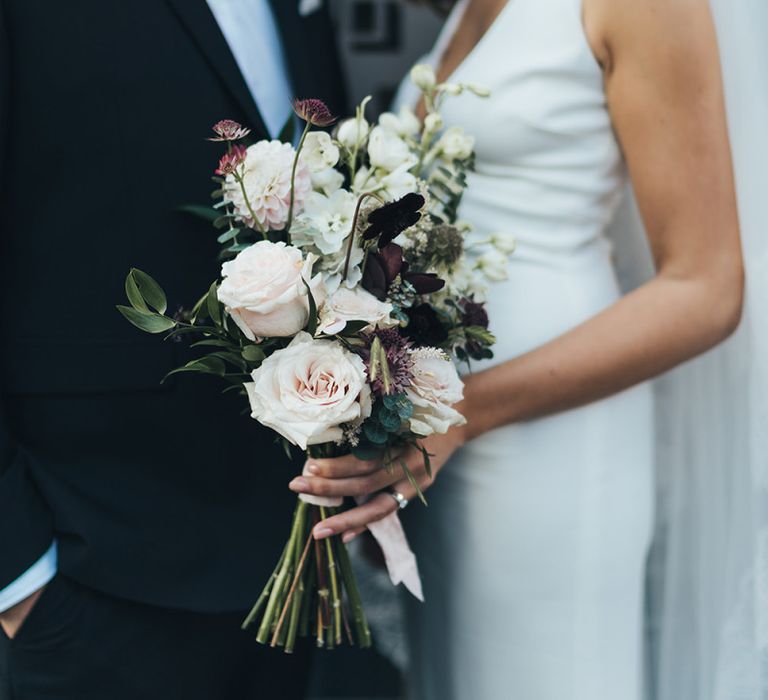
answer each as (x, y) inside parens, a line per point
(319, 152)
(266, 175)
(388, 151)
(453, 89)
(263, 289)
(479, 90)
(398, 183)
(423, 76)
(454, 144)
(353, 305)
(494, 265)
(352, 132)
(404, 123)
(504, 242)
(326, 221)
(308, 390)
(327, 181)
(435, 388)
(433, 122)
(332, 268)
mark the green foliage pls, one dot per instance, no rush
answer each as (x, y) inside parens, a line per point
(147, 321)
(143, 291)
(311, 326)
(204, 365)
(207, 213)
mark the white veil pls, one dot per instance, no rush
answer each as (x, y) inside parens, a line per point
(708, 570)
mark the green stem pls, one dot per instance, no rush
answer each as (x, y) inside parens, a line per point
(265, 593)
(360, 201)
(293, 179)
(335, 597)
(241, 182)
(353, 593)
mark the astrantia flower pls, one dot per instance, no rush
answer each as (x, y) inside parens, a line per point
(446, 244)
(229, 130)
(231, 161)
(390, 220)
(397, 351)
(266, 175)
(314, 112)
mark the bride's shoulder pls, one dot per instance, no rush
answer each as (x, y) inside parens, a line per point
(628, 26)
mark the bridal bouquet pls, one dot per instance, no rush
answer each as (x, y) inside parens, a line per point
(346, 287)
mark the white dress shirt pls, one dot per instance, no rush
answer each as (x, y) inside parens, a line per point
(250, 30)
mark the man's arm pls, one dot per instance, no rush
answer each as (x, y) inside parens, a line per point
(27, 557)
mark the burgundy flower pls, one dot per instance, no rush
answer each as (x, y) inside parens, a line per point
(473, 313)
(231, 161)
(229, 130)
(314, 112)
(390, 220)
(384, 266)
(424, 327)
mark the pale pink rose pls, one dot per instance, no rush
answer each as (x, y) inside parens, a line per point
(263, 290)
(266, 175)
(308, 390)
(435, 388)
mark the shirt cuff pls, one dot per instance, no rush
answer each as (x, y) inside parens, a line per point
(33, 579)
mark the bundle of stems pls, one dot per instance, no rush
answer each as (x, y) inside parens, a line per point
(312, 592)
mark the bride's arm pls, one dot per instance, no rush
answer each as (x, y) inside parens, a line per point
(664, 89)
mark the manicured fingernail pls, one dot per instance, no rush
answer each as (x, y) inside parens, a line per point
(322, 532)
(348, 537)
(313, 469)
(299, 484)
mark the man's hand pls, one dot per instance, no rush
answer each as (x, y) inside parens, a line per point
(12, 619)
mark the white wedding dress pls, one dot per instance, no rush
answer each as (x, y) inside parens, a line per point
(533, 547)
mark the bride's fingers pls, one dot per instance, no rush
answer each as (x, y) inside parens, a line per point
(341, 467)
(357, 518)
(350, 535)
(353, 486)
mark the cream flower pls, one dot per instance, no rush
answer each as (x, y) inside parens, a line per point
(319, 152)
(455, 144)
(403, 124)
(423, 76)
(327, 181)
(435, 388)
(388, 151)
(266, 175)
(263, 290)
(326, 221)
(309, 390)
(352, 132)
(494, 265)
(353, 305)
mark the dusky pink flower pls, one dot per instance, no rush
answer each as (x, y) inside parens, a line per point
(229, 130)
(314, 112)
(231, 161)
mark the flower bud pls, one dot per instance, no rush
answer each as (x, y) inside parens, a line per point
(504, 242)
(352, 132)
(423, 76)
(478, 90)
(433, 122)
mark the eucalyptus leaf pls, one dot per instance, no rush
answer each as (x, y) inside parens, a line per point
(147, 321)
(228, 235)
(133, 294)
(389, 420)
(375, 433)
(207, 213)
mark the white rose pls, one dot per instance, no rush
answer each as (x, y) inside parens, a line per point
(494, 265)
(423, 76)
(454, 144)
(404, 123)
(326, 221)
(435, 388)
(353, 305)
(388, 151)
(327, 181)
(319, 151)
(263, 290)
(306, 391)
(352, 132)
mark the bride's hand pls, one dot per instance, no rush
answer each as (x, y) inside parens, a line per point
(349, 476)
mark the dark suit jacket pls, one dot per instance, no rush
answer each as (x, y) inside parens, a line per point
(167, 494)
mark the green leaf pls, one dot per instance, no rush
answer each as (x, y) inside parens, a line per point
(133, 294)
(354, 327)
(389, 420)
(253, 353)
(205, 365)
(213, 343)
(147, 321)
(366, 452)
(413, 481)
(151, 291)
(222, 221)
(213, 305)
(207, 213)
(311, 326)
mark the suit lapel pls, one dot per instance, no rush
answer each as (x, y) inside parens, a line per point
(201, 25)
(297, 52)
